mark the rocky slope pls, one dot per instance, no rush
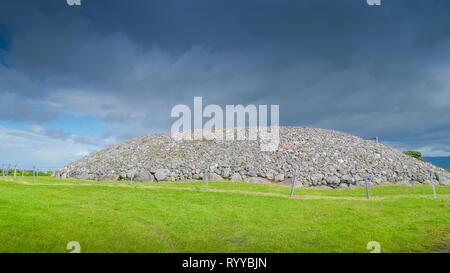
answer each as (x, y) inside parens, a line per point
(319, 158)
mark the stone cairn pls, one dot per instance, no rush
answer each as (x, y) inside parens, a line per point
(318, 157)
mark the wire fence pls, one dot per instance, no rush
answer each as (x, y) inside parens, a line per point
(16, 171)
(25, 170)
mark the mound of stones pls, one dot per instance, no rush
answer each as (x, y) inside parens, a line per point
(317, 157)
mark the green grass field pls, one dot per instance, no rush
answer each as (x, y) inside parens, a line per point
(230, 217)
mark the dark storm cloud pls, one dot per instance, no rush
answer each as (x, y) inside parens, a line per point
(335, 64)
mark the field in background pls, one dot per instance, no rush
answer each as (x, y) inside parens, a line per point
(230, 217)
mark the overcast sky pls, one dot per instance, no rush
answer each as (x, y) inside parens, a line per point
(74, 80)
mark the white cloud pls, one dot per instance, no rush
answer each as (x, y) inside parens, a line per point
(34, 148)
(37, 129)
(426, 150)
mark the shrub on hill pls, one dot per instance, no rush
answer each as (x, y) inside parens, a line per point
(415, 154)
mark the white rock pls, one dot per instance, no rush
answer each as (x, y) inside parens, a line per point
(258, 180)
(214, 177)
(279, 177)
(161, 174)
(236, 177)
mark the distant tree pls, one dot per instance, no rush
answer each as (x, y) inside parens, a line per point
(415, 154)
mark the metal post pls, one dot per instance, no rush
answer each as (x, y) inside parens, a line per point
(367, 188)
(205, 177)
(434, 189)
(9, 165)
(23, 171)
(131, 181)
(15, 172)
(78, 181)
(376, 139)
(34, 173)
(294, 180)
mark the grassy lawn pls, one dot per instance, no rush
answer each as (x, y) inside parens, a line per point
(161, 218)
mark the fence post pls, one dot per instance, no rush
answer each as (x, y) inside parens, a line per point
(9, 165)
(23, 171)
(366, 180)
(34, 173)
(205, 177)
(434, 189)
(131, 180)
(15, 172)
(294, 180)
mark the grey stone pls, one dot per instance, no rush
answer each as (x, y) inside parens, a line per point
(444, 182)
(269, 175)
(162, 174)
(333, 180)
(109, 177)
(236, 177)
(279, 177)
(288, 182)
(142, 175)
(347, 179)
(226, 172)
(317, 177)
(258, 180)
(214, 177)
(404, 183)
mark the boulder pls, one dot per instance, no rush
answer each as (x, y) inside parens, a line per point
(143, 175)
(347, 179)
(288, 182)
(279, 177)
(226, 172)
(214, 177)
(161, 174)
(109, 177)
(236, 177)
(258, 180)
(443, 179)
(332, 180)
(404, 183)
(270, 175)
(316, 178)
(444, 182)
